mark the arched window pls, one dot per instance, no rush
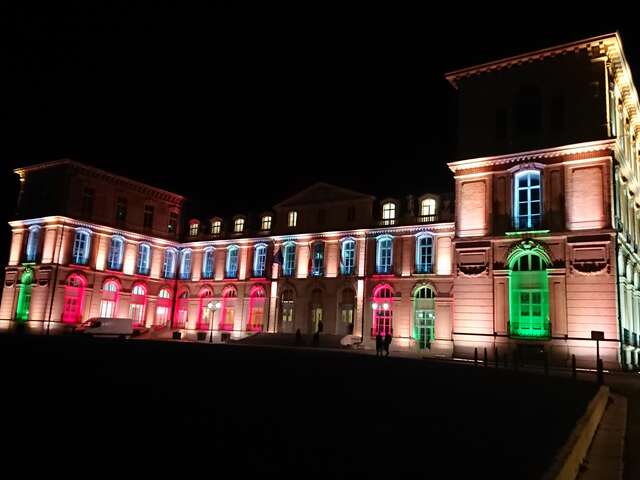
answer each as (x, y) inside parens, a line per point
(24, 297)
(207, 263)
(347, 308)
(73, 299)
(185, 264)
(144, 259)
(265, 223)
(194, 226)
(287, 311)
(32, 243)
(388, 213)
(317, 261)
(232, 262)
(228, 310)
(427, 207)
(317, 310)
(424, 316)
(259, 260)
(182, 310)
(256, 309)
(529, 295)
(116, 253)
(81, 246)
(527, 200)
(384, 254)
(238, 225)
(289, 259)
(138, 304)
(163, 308)
(205, 313)
(347, 256)
(382, 310)
(109, 302)
(424, 253)
(169, 265)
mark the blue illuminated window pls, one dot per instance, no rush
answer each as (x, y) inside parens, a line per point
(32, 243)
(116, 253)
(169, 265)
(384, 253)
(185, 264)
(232, 261)
(348, 257)
(81, 245)
(527, 200)
(207, 263)
(144, 257)
(259, 260)
(289, 259)
(317, 264)
(424, 254)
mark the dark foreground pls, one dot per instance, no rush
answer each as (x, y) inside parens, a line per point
(298, 412)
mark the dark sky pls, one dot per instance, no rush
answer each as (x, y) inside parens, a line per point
(241, 108)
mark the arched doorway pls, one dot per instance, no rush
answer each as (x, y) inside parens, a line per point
(424, 316)
(287, 308)
(24, 297)
(256, 309)
(347, 311)
(138, 305)
(317, 311)
(73, 299)
(382, 310)
(205, 314)
(109, 301)
(228, 312)
(529, 295)
(182, 310)
(163, 308)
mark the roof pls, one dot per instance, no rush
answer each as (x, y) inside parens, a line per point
(325, 193)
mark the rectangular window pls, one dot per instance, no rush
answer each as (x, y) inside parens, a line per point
(348, 257)
(293, 218)
(193, 229)
(317, 267)
(266, 223)
(121, 210)
(216, 226)
(148, 217)
(87, 201)
(289, 260)
(528, 202)
(238, 225)
(173, 223)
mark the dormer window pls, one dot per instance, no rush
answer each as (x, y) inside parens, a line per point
(194, 225)
(265, 223)
(428, 207)
(388, 213)
(292, 219)
(238, 225)
(216, 227)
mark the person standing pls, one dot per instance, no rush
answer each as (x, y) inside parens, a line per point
(378, 344)
(387, 343)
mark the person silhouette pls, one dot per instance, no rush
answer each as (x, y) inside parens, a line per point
(378, 344)
(387, 343)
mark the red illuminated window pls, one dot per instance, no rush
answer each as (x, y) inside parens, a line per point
(138, 305)
(109, 302)
(163, 308)
(256, 309)
(73, 299)
(382, 307)
(205, 311)
(228, 310)
(182, 307)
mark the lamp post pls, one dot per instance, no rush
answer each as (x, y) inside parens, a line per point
(213, 307)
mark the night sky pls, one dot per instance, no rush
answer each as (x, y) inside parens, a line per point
(240, 108)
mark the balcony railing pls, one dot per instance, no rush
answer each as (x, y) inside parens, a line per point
(387, 222)
(427, 218)
(530, 329)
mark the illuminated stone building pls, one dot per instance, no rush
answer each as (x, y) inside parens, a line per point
(542, 248)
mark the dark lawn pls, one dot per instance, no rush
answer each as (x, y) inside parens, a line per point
(268, 409)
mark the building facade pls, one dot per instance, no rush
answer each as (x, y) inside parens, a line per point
(540, 250)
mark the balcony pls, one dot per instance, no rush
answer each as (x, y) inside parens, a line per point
(387, 222)
(427, 218)
(530, 329)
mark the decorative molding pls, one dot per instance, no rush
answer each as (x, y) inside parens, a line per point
(473, 271)
(590, 268)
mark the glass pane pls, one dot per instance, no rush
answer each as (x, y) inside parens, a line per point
(522, 181)
(535, 262)
(535, 208)
(535, 194)
(534, 179)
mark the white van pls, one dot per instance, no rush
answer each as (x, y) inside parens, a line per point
(112, 327)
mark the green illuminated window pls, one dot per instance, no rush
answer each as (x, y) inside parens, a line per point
(424, 316)
(529, 296)
(24, 297)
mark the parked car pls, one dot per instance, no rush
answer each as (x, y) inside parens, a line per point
(108, 327)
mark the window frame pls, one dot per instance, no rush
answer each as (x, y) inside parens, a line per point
(533, 221)
(388, 270)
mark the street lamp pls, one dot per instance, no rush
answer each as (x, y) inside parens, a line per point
(213, 307)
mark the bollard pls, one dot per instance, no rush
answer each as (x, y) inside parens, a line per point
(600, 372)
(496, 357)
(486, 358)
(546, 364)
(574, 373)
(475, 357)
